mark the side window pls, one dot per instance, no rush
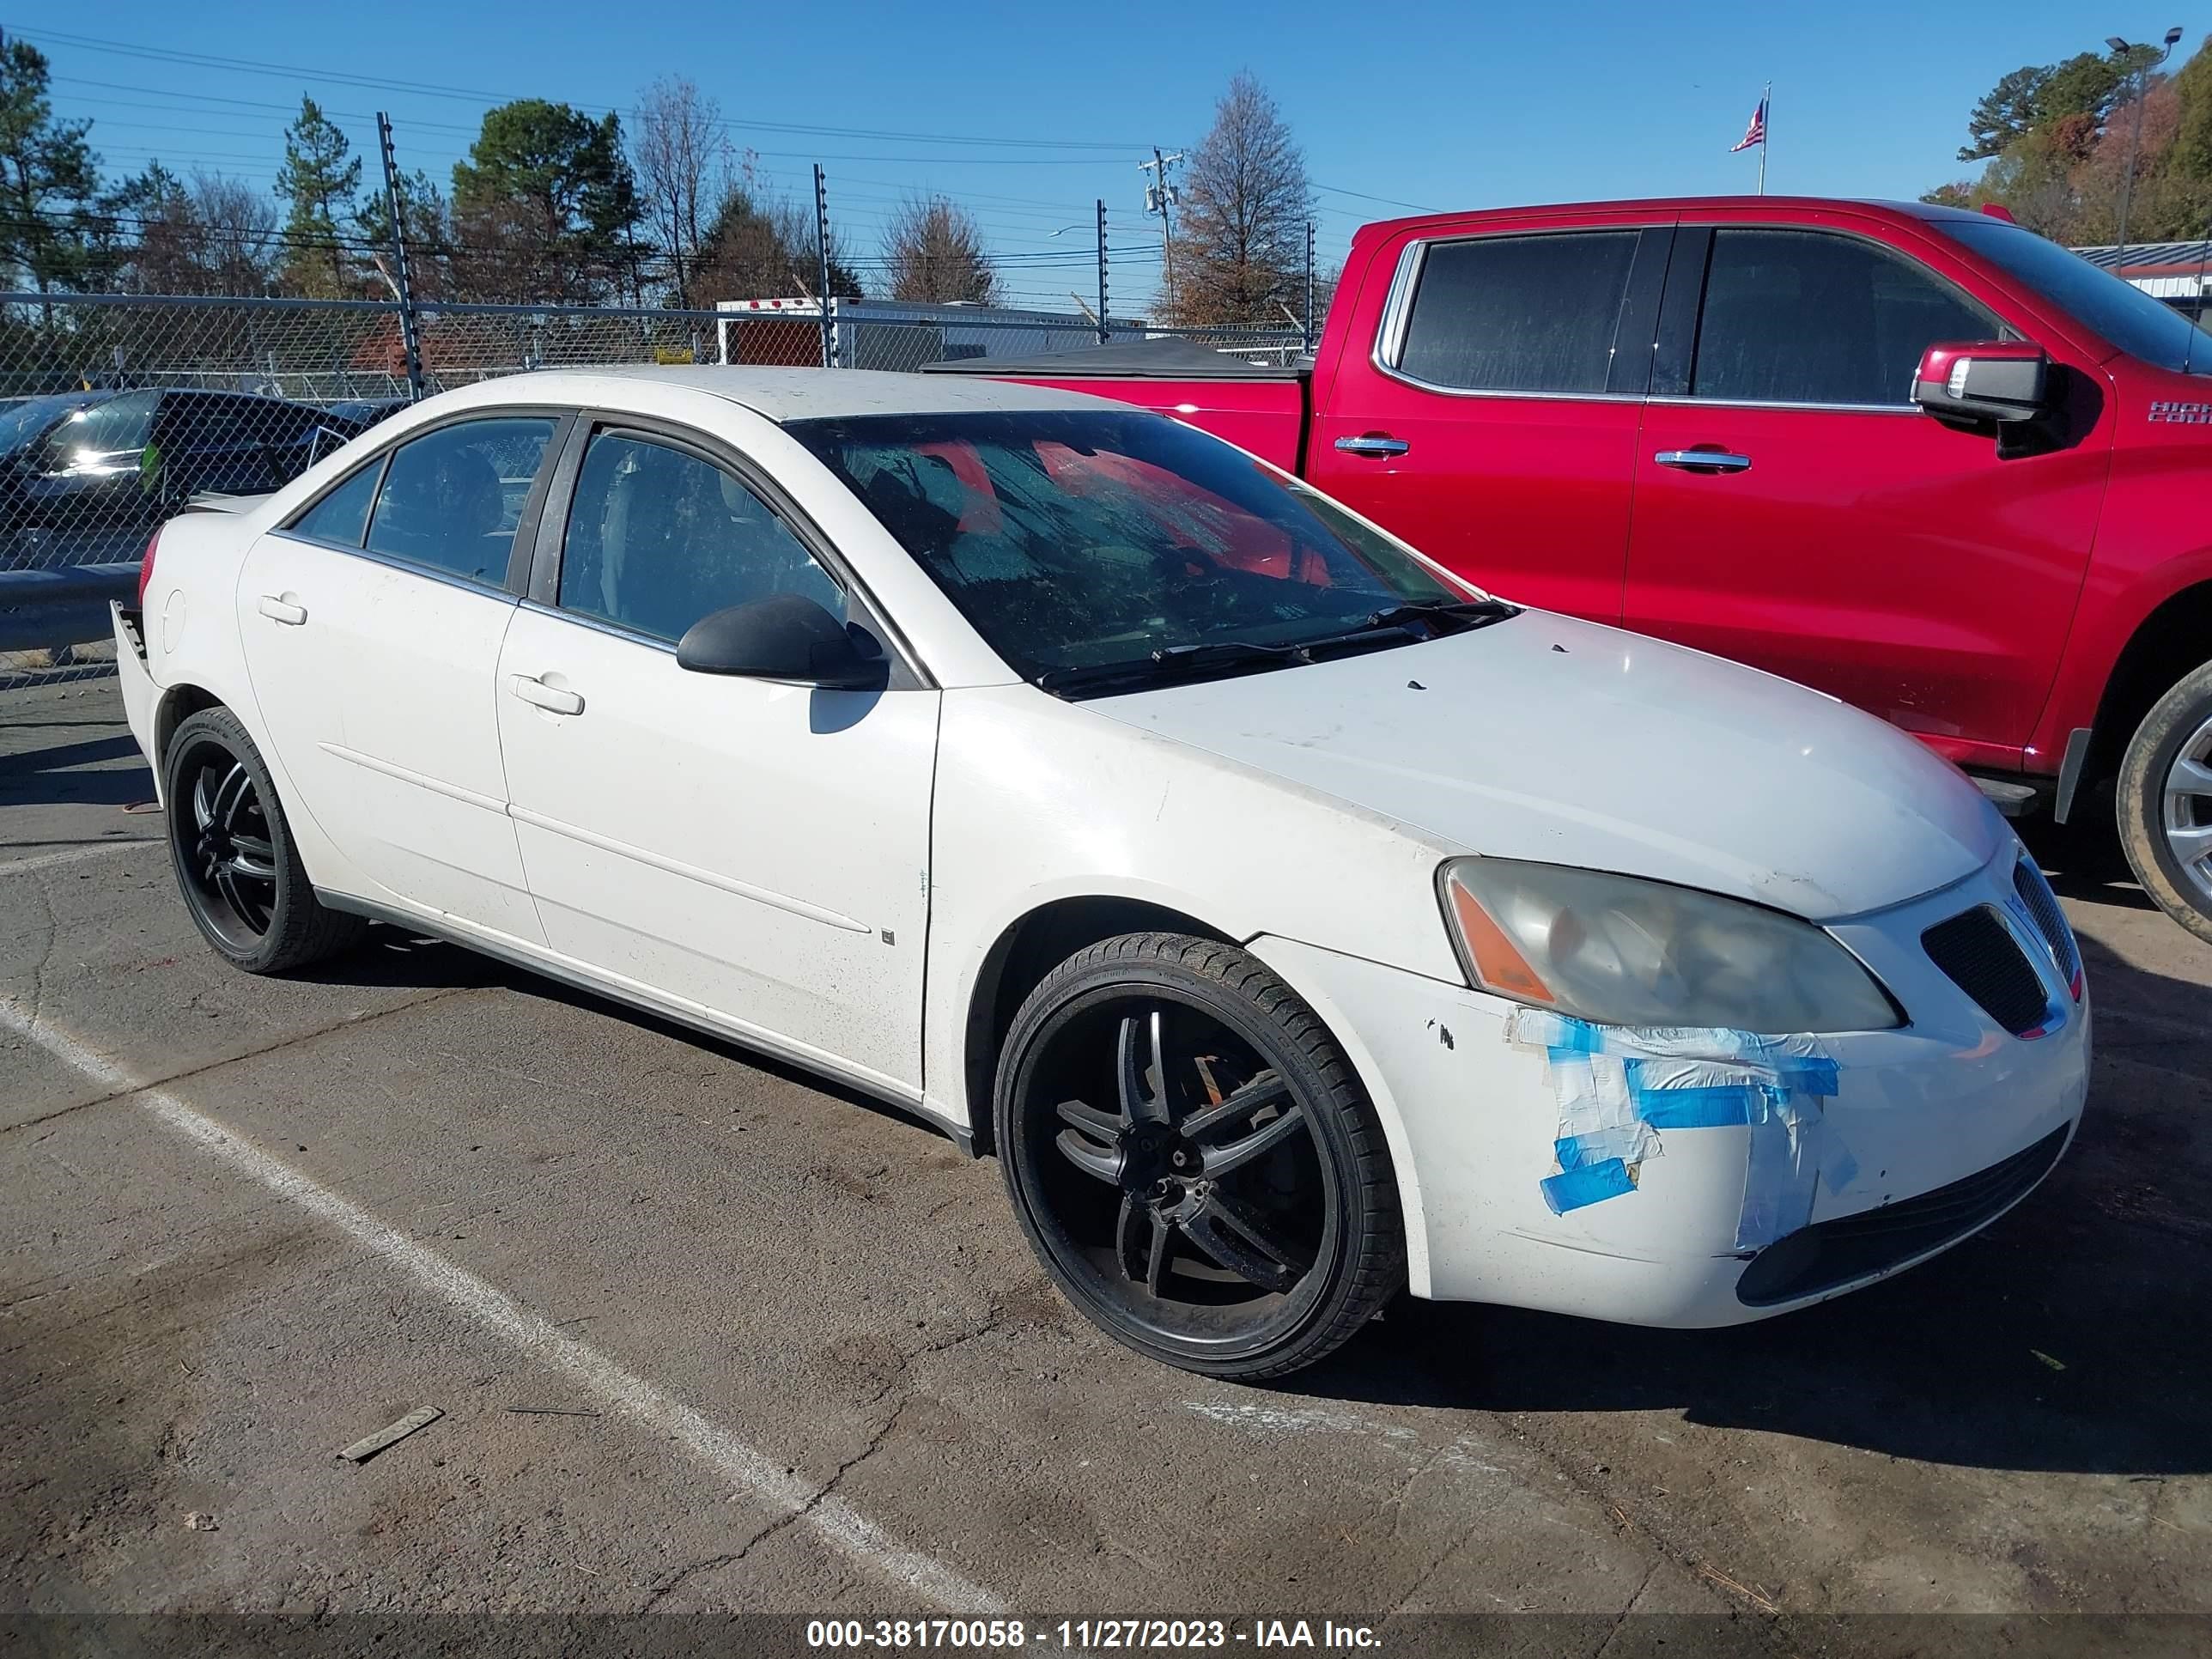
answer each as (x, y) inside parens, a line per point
(1519, 313)
(658, 538)
(1803, 317)
(342, 515)
(451, 498)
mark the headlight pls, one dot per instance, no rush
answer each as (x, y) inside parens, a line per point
(1621, 951)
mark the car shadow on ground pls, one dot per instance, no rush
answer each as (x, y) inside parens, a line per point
(74, 774)
(2075, 1335)
(392, 955)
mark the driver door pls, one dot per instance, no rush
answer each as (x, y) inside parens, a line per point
(754, 851)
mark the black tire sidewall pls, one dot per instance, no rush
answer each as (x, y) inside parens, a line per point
(1326, 1105)
(2140, 797)
(222, 726)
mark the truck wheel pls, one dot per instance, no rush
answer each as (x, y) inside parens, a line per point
(2165, 803)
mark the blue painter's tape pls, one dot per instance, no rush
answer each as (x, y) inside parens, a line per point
(1815, 1076)
(1713, 1107)
(1573, 1188)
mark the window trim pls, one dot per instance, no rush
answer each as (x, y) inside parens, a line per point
(1694, 306)
(525, 524)
(540, 591)
(1390, 332)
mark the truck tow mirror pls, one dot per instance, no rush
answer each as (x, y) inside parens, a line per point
(2004, 382)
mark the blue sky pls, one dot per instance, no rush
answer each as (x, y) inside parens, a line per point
(1434, 105)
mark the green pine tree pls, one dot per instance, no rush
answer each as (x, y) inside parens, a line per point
(320, 178)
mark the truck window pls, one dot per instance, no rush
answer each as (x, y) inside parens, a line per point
(1802, 317)
(1519, 313)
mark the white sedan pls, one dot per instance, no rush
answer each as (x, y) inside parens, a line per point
(1297, 924)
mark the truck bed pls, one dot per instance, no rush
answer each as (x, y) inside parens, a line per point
(1254, 406)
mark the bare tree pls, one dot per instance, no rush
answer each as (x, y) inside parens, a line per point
(933, 249)
(683, 172)
(1240, 249)
(238, 233)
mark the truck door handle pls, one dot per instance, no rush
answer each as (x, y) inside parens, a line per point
(1373, 443)
(542, 696)
(1703, 460)
(282, 611)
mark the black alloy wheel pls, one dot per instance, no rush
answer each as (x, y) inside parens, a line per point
(1193, 1160)
(232, 851)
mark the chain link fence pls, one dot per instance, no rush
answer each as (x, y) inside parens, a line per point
(115, 410)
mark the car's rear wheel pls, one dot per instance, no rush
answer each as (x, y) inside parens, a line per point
(2163, 803)
(1194, 1159)
(234, 854)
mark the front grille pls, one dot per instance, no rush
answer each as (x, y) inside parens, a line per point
(1831, 1253)
(2049, 920)
(1979, 953)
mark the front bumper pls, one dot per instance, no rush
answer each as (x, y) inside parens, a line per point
(1881, 1149)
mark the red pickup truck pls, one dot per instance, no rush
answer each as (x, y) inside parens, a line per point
(1919, 458)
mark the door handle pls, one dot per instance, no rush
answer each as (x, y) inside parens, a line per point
(282, 611)
(542, 696)
(1373, 443)
(1703, 460)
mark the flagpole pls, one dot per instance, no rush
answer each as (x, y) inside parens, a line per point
(1766, 129)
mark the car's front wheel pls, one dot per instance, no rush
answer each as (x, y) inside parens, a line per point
(235, 861)
(2164, 802)
(1194, 1159)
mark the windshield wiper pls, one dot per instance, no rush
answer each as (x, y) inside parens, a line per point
(1402, 624)
(1440, 614)
(1173, 662)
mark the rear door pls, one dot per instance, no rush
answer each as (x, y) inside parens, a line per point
(1486, 407)
(372, 622)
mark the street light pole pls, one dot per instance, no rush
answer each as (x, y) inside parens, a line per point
(2135, 133)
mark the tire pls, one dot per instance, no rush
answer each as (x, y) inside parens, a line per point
(2164, 823)
(237, 866)
(1194, 1159)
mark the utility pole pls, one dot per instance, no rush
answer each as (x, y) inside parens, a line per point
(410, 335)
(1102, 271)
(1310, 285)
(822, 251)
(1160, 195)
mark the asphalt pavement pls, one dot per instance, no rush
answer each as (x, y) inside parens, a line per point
(707, 1336)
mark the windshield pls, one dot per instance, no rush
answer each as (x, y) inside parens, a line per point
(22, 422)
(2145, 329)
(1074, 539)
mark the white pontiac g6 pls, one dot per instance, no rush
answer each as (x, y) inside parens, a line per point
(1297, 923)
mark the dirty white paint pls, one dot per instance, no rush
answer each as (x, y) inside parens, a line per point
(751, 1473)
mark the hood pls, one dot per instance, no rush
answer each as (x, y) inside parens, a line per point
(1547, 738)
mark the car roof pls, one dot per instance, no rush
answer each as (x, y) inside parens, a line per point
(795, 394)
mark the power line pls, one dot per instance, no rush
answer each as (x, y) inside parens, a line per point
(383, 83)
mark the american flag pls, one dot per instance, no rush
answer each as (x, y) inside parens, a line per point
(1756, 132)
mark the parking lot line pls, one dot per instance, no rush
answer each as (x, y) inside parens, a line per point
(71, 855)
(752, 1472)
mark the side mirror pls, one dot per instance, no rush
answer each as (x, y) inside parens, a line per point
(785, 636)
(2002, 381)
